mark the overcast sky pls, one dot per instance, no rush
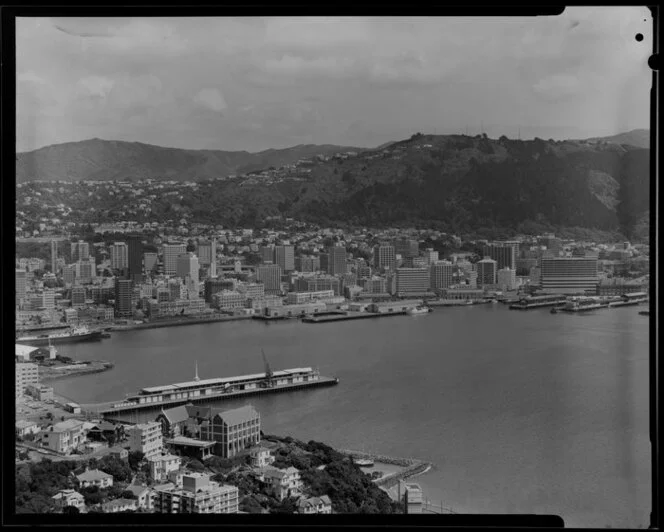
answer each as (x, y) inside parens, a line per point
(258, 83)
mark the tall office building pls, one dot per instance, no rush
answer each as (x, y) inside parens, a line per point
(284, 256)
(69, 274)
(119, 256)
(270, 276)
(406, 247)
(504, 253)
(568, 274)
(123, 292)
(430, 256)
(86, 269)
(486, 272)
(78, 296)
(336, 260)
(207, 256)
(187, 265)
(150, 262)
(21, 284)
(307, 264)
(267, 254)
(79, 250)
(135, 258)
(442, 274)
(412, 281)
(385, 257)
(171, 254)
(54, 256)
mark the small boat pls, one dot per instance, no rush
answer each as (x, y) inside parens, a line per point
(420, 309)
(645, 313)
(554, 310)
(364, 462)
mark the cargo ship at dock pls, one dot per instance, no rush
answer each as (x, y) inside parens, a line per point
(80, 334)
(218, 389)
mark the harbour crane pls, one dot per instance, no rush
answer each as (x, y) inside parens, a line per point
(268, 371)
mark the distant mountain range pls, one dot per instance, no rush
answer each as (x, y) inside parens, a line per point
(460, 182)
(101, 160)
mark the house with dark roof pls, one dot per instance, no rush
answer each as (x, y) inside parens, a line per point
(106, 432)
(314, 505)
(143, 495)
(94, 477)
(174, 421)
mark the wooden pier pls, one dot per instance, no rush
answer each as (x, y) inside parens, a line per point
(115, 414)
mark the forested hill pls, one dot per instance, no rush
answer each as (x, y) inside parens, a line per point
(471, 182)
(455, 182)
(105, 160)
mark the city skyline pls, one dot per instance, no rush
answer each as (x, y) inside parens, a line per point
(348, 81)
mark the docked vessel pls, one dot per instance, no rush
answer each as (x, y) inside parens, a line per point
(364, 462)
(584, 304)
(78, 334)
(420, 309)
(645, 313)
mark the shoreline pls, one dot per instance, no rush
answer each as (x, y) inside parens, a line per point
(412, 467)
(98, 366)
(175, 323)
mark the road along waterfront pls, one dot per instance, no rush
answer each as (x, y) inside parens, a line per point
(521, 412)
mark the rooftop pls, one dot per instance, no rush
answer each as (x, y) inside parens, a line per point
(93, 475)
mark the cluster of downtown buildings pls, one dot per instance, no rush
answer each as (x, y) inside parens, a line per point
(99, 283)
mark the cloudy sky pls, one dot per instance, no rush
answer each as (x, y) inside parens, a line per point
(258, 83)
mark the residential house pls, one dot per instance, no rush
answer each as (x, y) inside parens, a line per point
(119, 452)
(161, 465)
(94, 477)
(314, 505)
(106, 432)
(283, 482)
(64, 437)
(261, 456)
(23, 428)
(66, 498)
(119, 505)
(143, 494)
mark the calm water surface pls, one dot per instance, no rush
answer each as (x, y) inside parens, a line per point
(522, 412)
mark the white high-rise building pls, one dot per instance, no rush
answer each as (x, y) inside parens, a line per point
(430, 256)
(119, 256)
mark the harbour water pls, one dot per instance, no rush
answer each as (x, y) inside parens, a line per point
(521, 412)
